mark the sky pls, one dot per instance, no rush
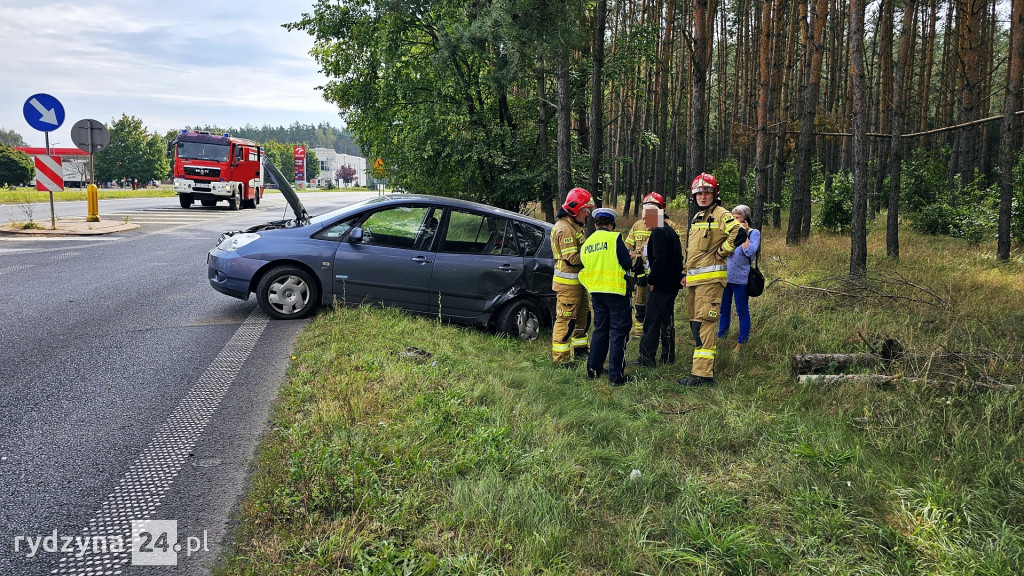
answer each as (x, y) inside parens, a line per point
(169, 63)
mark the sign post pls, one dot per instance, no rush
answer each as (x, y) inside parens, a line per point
(299, 153)
(91, 136)
(45, 113)
(378, 173)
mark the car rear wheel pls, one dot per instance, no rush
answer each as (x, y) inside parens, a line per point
(520, 319)
(185, 200)
(288, 293)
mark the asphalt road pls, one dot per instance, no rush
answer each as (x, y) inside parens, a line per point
(130, 390)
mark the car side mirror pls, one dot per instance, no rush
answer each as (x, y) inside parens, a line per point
(355, 236)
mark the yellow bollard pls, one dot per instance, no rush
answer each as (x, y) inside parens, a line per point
(92, 201)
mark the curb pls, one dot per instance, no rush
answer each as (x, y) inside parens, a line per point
(72, 228)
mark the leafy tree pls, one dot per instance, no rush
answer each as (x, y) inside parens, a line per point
(282, 155)
(133, 153)
(16, 167)
(312, 165)
(11, 138)
(346, 174)
(442, 91)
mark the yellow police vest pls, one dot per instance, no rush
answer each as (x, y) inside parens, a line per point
(601, 269)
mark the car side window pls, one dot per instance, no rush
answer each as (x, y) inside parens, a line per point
(470, 233)
(530, 238)
(336, 231)
(397, 227)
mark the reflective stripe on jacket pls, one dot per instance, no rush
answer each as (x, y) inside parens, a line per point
(602, 271)
(566, 239)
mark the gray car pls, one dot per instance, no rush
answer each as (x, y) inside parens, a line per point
(462, 261)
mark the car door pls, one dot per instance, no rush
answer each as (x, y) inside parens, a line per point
(393, 263)
(477, 261)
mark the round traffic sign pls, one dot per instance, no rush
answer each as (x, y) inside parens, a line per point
(90, 136)
(43, 112)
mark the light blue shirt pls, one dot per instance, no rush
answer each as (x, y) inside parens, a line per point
(740, 260)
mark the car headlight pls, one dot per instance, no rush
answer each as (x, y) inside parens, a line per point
(232, 243)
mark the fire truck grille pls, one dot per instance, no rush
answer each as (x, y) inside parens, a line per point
(204, 171)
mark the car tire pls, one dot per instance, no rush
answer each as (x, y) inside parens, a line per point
(185, 200)
(520, 319)
(288, 293)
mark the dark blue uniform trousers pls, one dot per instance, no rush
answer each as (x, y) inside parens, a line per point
(612, 321)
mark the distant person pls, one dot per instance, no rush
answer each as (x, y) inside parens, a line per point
(664, 275)
(712, 238)
(572, 305)
(606, 265)
(736, 283)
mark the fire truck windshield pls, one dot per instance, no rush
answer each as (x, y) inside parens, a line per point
(203, 151)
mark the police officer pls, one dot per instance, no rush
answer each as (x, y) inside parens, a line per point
(572, 307)
(714, 235)
(605, 275)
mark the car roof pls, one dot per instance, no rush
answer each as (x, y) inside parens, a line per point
(455, 203)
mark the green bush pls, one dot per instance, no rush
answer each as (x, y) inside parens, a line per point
(835, 204)
(728, 175)
(16, 167)
(969, 211)
(923, 181)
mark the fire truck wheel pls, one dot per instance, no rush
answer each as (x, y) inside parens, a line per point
(185, 200)
(233, 202)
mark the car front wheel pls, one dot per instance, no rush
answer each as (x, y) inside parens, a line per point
(520, 319)
(288, 293)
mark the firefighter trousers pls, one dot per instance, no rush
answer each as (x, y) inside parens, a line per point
(705, 303)
(572, 322)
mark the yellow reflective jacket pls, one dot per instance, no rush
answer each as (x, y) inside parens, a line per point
(713, 231)
(602, 271)
(566, 240)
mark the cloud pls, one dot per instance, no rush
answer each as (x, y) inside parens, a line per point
(161, 60)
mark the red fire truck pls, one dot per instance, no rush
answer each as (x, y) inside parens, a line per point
(212, 167)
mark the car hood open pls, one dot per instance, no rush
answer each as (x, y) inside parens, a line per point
(301, 216)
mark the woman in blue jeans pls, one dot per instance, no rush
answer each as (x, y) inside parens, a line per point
(736, 282)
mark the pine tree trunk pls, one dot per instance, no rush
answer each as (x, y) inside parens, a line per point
(548, 198)
(808, 113)
(884, 34)
(892, 231)
(564, 144)
(1009, 142)
(697, 148)
(597, 103)
(761, 144)
(858, 223)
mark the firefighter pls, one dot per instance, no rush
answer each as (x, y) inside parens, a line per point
(605, 275)
(714, 235)
(572, 309)
(635, 241)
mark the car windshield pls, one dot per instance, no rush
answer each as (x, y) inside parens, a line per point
(203, 151)
(340, 212)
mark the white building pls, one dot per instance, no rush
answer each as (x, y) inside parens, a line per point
(74, 162)
(331, 160)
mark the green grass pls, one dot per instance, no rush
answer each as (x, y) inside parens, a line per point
(24, 195)
(486, 459)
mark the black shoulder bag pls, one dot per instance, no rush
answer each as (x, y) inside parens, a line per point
(755, 281)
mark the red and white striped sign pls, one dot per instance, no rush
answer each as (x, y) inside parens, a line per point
(49, 173)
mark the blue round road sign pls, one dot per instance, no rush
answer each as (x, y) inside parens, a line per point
(44, 112)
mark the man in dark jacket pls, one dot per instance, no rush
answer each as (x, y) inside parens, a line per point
(665, 258)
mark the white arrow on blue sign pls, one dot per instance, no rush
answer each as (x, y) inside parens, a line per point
(44, 112)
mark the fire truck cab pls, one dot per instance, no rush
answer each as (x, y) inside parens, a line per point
(211, 167)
